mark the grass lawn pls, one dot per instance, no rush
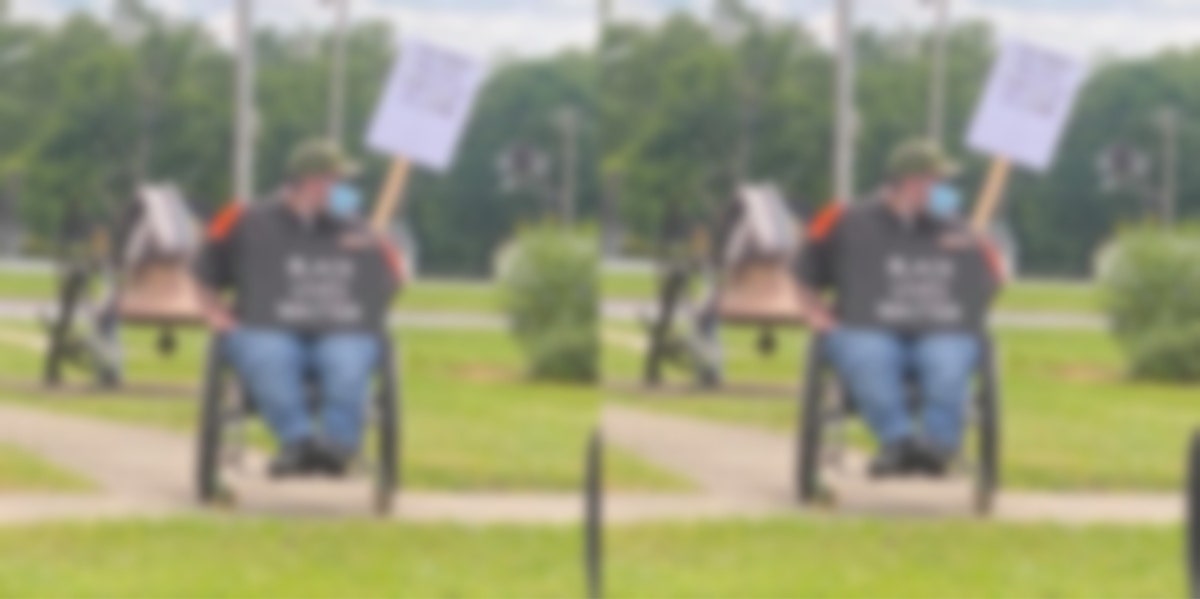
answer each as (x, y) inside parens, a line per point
(1072, 421)
(248, 558)
(424, 295)
(787, 557)
(846, 558)
(1023, 296)
(441, 295)
(21, 472)
(474, 422)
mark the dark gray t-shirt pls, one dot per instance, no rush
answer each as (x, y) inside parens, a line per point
(900, 276)
(323, 275)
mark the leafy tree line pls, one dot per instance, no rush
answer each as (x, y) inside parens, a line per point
(91, 106)
(693, 105)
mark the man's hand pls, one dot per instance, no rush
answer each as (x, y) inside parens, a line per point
(820, 321)
(220, 322)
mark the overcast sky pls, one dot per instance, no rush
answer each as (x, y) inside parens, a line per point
(540, 26)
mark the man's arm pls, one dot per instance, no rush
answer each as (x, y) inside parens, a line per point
(214, 268)
(816, 266)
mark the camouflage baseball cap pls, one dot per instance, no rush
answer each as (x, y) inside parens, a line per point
(318, 157)
(919, 157)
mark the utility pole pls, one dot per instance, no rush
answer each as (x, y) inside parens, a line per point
(937, 77)
(243, 136)
(844, 105)
(1168, 122)
(337, 78)
(568, 124)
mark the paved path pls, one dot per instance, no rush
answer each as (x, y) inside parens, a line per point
(754, 468)
(147, 472)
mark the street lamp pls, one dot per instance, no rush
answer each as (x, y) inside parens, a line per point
(337, 78)
(937, 76)
(844, 105)
(243, 135)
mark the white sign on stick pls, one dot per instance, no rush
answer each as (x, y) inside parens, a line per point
(1028, 100)
(426, 104)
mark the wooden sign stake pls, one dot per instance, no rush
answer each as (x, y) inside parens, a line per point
(391, 197)
(993, 192)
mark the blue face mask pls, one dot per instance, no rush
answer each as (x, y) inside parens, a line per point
(945, 201)
(345, 201)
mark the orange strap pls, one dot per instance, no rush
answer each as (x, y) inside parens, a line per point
(225, 221)
(825, 222)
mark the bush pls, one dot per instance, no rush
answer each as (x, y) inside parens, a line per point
(1151, 282)
(549, 277)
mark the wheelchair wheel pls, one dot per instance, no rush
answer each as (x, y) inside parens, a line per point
(812, 421)
(987, 467)
(388, 419)
(211, 433)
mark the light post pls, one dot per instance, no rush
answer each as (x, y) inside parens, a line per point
(243, 136)
(844, 105)
(337, 77)
(937, 76)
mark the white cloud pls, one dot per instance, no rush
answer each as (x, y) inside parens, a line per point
(522, 27)
(542, 26)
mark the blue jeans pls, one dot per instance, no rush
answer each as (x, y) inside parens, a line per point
(873, 363)
(272, 365)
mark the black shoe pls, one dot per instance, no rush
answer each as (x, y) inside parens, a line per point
(931, 459)
(295, 459)
(331, 459)
(894, 459)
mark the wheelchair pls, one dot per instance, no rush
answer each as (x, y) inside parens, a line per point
(826, 409)
(226, 409)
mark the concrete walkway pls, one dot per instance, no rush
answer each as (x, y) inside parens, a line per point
(753, 468)
(147, 472)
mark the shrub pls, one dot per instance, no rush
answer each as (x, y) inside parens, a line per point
(549, 276)
(1151, 282)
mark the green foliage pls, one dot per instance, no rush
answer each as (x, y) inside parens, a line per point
(695, 104)
(89, 107)
(549, 278)
(1151, 279)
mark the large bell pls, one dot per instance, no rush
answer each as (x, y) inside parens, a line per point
(156, 282)
(761, 292)
(757, 285)
(160, 292)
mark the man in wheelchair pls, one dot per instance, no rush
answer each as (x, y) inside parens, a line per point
(310, 287)
(910, 287)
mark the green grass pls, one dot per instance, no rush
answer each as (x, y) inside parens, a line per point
(450, 296)
(248, 558)
(774, 558)
(1072, 421)
(27, 285)
(473, 421)
(471, 296)
(792, 557)
(845, 558)
(23, 472)
(423, 295)
(1022, 296)
(1048, 296)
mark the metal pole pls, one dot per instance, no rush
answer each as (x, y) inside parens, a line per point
(937, 83)
(844, 105)
(337, 83)
(243, 137)
(568, 122)
(1170, 164)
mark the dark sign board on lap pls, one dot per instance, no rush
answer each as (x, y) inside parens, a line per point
(921, 287)
(309, 281)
